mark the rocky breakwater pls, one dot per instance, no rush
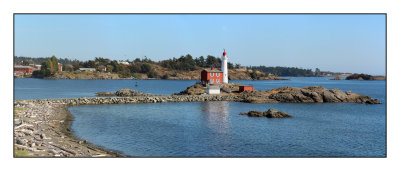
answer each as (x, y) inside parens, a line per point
(314, 94)
(271, 113)
(123, 93)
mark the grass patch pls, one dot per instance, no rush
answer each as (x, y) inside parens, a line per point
(21, 153)
(18, 110)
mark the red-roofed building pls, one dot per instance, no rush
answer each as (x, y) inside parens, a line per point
(211, 76)
(27, 70)
(246, 88)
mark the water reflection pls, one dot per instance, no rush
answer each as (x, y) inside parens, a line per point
(216, 120)
(216, 115)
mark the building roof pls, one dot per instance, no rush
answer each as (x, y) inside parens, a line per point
(87, 68)
(20, 66)
(214, 70)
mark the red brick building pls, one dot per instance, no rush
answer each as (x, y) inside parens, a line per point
(211, 76)
(25, 69)
(245, 88)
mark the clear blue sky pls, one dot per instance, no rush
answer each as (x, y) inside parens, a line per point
(340, 43)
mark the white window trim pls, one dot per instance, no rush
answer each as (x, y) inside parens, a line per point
(211, 74)
(217, 80)
(218, 74)
(211, 81)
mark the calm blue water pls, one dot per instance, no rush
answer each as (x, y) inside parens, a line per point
(44, 89)
(215, 129)
(30, 88)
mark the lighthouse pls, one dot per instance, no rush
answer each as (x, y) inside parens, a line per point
(224, 68)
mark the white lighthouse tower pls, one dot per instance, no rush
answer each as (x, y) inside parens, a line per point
(224, 68)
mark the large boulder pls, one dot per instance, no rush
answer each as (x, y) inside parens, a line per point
(254, 113)
(271, 113)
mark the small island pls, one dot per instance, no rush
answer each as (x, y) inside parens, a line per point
(364, 77)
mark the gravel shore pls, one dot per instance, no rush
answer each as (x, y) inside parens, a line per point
(43, 130)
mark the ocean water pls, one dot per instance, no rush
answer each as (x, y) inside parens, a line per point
(30, 88)
(215, 129)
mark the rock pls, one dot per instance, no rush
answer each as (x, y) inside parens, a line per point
(254, 113)
(52, 151)
(105, 94)
(21, 142)
(364, 77)
(42, 136)
(337, 78)
(315, 94)
(271, 113)
(129, 92)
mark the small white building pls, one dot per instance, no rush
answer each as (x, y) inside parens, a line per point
(123, 62)
(87, 69)
(213, 89)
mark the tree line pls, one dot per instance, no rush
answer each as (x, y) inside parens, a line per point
(286, 71)
(144, 66)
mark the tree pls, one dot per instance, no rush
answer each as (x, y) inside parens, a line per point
(47, 69)
(25, 63)
(152, 74)
(90, 64)
(200, 62)
(135, 68)
(213, 61)
(102, 61)
(54, 63)
(76, 65)
(230, 65)
(110, 68)
(145, 68)
(317, 72)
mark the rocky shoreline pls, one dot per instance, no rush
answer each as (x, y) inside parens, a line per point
(42, 126)
(42, 129)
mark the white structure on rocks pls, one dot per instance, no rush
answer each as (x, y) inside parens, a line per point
(213, 89)
(224, 68)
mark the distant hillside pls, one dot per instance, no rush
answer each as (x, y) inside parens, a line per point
(184, 67)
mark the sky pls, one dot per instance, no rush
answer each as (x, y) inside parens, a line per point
(353, 43)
